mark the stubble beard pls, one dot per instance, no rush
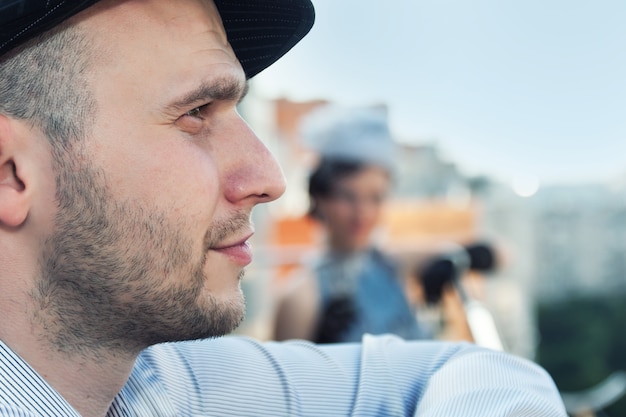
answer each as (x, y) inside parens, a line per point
(117, 276)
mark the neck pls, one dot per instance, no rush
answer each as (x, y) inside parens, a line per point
(340, 247)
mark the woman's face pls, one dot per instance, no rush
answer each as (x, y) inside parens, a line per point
(354, 208)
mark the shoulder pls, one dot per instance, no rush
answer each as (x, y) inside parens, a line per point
(302, 279)
(386, 260)
(381, 373)
(300, 291)
(297, 306)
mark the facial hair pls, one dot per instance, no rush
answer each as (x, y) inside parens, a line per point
(118, 275)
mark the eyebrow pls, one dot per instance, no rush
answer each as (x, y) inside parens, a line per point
(224, 89)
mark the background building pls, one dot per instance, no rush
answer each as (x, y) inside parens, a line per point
(580, 241)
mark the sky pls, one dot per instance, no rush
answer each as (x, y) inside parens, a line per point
(504, 88)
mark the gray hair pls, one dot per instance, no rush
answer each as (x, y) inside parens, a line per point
(44, 82)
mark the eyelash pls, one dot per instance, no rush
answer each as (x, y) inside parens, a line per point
(197, 112)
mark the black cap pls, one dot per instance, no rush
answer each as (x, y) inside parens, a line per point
(260, 31)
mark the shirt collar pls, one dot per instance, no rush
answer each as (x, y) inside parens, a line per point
(24, 389)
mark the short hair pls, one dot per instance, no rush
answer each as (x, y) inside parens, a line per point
(44, 82)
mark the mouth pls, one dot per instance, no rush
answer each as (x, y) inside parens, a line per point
(239, 252)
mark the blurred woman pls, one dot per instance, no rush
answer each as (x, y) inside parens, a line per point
(354, 287)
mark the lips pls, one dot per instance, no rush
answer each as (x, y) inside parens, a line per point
(240, 252)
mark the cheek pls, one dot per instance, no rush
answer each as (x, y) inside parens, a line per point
(183, 179)
(372, 215)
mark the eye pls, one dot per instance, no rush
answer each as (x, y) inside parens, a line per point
(193, 113)
(194, 120)
(197, 112)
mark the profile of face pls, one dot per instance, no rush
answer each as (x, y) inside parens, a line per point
(151, 231)
(353, 209)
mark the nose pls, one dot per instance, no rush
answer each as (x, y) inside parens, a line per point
(253, 175)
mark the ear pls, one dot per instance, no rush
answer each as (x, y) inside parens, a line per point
(14, 193)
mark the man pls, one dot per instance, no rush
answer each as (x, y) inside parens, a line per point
(127, 179)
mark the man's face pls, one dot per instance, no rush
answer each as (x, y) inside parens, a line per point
(150, 240)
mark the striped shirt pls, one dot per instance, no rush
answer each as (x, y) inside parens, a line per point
(237, 376)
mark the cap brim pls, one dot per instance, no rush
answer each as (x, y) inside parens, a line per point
(262, 31)
(259, 31)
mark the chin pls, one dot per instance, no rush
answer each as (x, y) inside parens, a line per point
(358, 244)
(216, 317)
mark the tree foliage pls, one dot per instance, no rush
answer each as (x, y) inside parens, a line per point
(582, 341)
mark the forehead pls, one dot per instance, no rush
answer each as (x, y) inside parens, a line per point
(137, 34)
(367, 177)
(117, 16)
(150, 52)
